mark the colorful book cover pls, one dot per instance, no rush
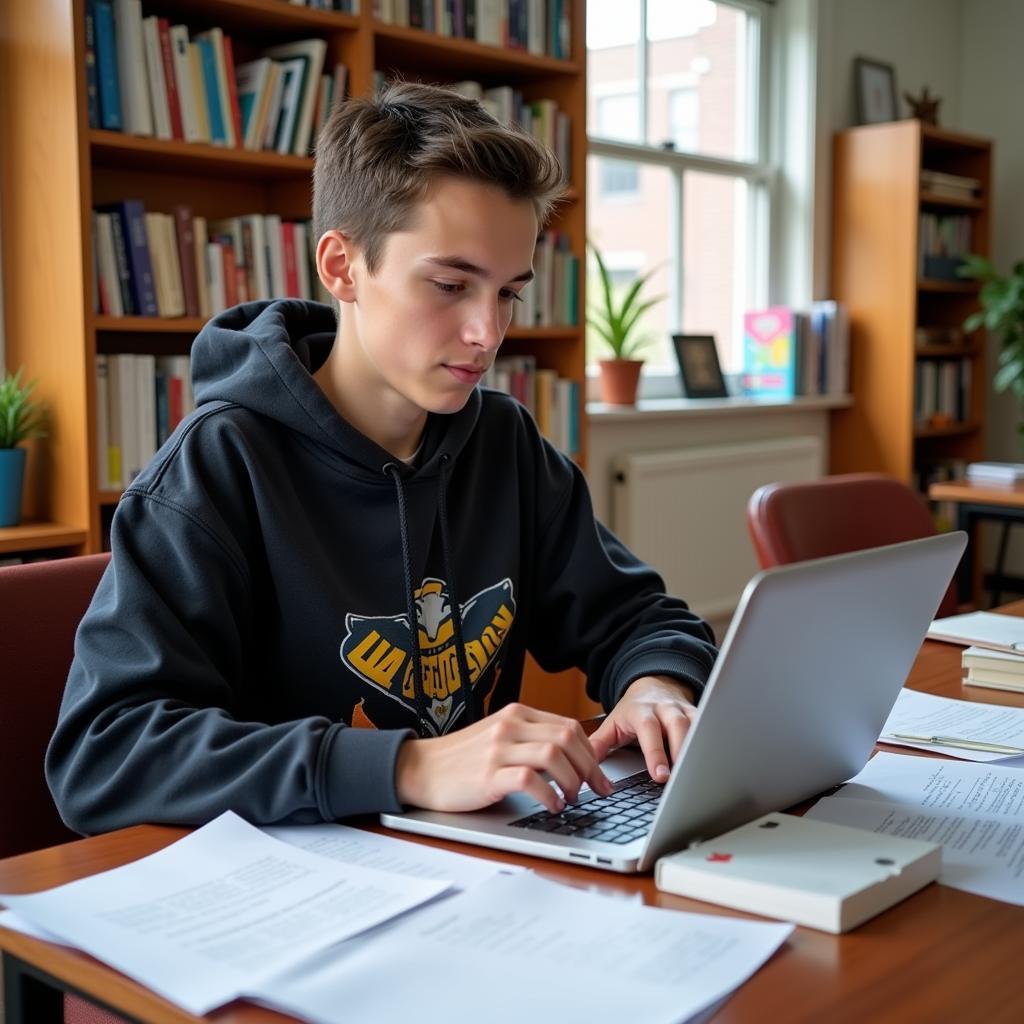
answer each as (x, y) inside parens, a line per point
(770, 353)
(107, 67)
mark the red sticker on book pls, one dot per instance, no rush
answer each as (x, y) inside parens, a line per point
(719, 858)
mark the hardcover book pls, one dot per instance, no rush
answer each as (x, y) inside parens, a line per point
(770, 353)
(825, 876)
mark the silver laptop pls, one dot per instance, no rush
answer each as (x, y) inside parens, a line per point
(809, 670)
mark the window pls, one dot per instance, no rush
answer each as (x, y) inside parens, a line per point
(678, 168)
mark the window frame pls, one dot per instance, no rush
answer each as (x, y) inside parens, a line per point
(761, 173)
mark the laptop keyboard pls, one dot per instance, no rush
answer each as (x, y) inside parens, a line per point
(622, 816)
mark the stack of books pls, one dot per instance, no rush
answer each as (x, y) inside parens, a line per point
(998, 670)
(995, 472)
(952, 186)
(942, 392)
(149, 77)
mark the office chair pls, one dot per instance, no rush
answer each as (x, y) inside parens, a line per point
(794, 522)
(41, 605)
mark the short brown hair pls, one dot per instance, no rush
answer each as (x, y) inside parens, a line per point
(375, 159)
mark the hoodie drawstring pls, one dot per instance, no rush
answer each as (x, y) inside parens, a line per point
(392, 470)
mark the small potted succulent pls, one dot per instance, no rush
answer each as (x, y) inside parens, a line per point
(21, 419)
(616, 318)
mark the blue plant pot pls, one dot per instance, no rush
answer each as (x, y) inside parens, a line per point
(12, 476)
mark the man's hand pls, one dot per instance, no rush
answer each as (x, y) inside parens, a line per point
(507, 752)
(653, 710)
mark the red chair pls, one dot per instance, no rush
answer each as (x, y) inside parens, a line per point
(794, 522)
(41, 605)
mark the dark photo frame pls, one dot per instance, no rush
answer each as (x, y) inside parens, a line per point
(697, 356)
(874, 85)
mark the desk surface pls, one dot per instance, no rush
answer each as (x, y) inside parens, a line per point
(942, 955)
(1004, 495)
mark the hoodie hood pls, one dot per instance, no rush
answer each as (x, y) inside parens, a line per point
(261, 355)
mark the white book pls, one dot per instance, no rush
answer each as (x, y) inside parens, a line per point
(314, 50)
(103, 480)
(131, 66)
(825, 876)
(275, 255)
(183, 79)
(981, 629)
(155, 75)
(253, 81)
(128, 414)
(145, 382)
(254, 235)
(301, 232)
(199, 255)
(215, 277)
(172, 262)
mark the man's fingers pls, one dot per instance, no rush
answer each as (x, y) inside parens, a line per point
(652, 743)
(676, 724)
(520, 779)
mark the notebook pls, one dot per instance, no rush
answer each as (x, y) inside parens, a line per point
(809, 670)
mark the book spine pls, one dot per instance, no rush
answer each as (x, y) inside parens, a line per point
(187, 257)
(232, 90)
(133, 217)
(178, 35)
(218, 131)
(92, 92)
(124, 274)
(170, 78)
(107, 67)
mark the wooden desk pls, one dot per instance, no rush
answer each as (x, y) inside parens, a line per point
(976, 503)
(942, 955)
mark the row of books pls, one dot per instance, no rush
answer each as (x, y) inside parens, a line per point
(551, 299)
(170, 265)
(149, 77)
(540, 27)
(953, 186)
(140, 399)
(943, 241)
(789, 352)
(942, 392)
(340, 6)
(552, 400)
(540, 118)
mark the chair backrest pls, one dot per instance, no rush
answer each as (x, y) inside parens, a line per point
(41, 605)
(794, 522)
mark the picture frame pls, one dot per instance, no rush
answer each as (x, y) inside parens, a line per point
(699, 368)
(874, 85)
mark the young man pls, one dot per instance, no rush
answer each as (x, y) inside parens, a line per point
(324, 586)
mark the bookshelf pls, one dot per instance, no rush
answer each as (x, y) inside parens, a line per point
(905, 337)
(54, 169)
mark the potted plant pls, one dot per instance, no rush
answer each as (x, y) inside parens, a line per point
(21, 419)
(616, 319)
(1002, 312)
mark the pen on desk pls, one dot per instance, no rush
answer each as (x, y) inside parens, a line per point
(956, 741)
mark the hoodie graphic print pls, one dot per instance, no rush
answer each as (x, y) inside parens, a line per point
(272, 565)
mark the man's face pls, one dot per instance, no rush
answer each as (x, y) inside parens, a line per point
(430, 321)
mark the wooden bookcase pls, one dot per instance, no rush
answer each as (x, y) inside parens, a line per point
(877, 203)
(54, 169)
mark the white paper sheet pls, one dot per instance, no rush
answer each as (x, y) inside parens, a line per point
(385, 853)
(553, 952)
(982, 629)
(202, 919)
(925, 714)
(976, 812)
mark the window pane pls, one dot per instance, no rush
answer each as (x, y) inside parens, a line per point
(634, 237)
(717, 249)
(700, 63)
(613, 51)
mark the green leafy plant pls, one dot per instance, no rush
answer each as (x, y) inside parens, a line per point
(1002, 313)
(616, 317)
(21, 418)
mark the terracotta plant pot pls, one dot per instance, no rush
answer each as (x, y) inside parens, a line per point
(619, 380)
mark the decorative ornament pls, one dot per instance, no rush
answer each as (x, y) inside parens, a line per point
(925, 108)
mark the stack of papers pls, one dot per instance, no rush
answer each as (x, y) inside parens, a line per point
(975, 811)
(981, 629)
(995, 472)
(230, 911)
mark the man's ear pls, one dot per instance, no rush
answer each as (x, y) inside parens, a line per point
(335, 255)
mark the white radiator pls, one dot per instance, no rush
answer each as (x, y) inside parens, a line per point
(684, 512)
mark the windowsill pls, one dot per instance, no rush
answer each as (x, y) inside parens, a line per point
(675, 408)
